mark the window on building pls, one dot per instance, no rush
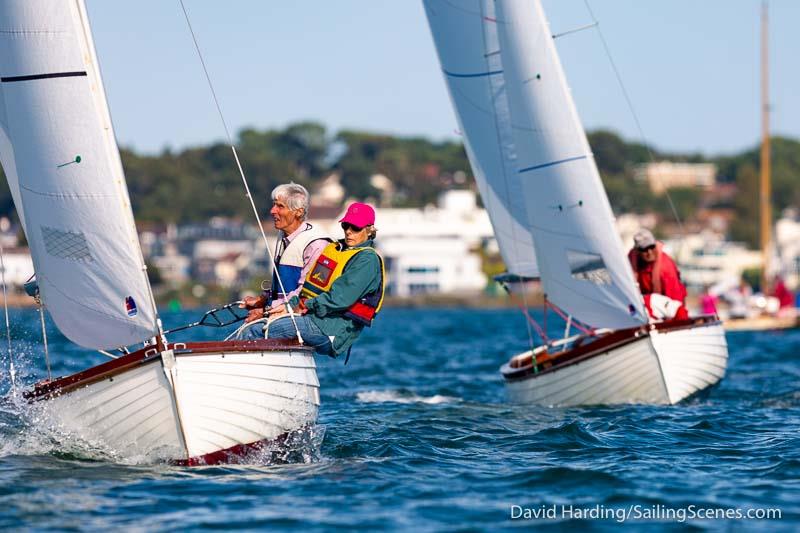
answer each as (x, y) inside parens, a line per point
(423, 288)
(422, 269)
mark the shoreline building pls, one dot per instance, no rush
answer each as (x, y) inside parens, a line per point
(432, 250)
(664, 175)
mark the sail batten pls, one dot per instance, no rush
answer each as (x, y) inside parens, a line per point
(554, 212)
(59, 154)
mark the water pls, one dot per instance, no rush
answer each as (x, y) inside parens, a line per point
(417, 435)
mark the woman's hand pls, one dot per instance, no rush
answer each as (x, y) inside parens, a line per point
(254, 314)
(281, 310)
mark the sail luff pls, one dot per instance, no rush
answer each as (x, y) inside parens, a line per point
(63, 160)
(115, 160)
(583, 267)
(466, 42)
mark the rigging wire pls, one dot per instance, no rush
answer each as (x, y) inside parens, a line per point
(11, 370)
(241, 171)
(633, 112)
(44, 338)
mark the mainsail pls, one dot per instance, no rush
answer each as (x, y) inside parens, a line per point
(59, 154)
(558, 197)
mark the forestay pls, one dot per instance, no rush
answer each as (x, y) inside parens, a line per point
(564, 206)
(59, 154)
(468, 51)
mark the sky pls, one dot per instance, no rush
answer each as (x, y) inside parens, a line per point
(690, 67)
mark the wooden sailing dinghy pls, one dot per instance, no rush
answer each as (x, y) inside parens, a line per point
(552, 218)
(189, 403)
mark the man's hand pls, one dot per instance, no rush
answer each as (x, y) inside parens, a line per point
(253, 302)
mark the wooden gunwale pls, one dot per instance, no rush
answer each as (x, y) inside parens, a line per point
(108, 370)
(601, 345)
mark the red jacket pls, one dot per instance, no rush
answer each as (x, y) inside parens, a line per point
(661, 276)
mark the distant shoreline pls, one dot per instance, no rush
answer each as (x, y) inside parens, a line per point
(470, 301)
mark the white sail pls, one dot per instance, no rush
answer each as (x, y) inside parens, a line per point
(580, 257)
(466, 41)
(58, 151)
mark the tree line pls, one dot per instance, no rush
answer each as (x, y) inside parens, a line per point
(197, 183)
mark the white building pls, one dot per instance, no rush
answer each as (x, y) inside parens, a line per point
(18, 266)
(707, 260)
(664, 175)
(433, 249)
(434, 265)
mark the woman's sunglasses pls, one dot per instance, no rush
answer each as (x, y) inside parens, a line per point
(348, 226)
(647, 248)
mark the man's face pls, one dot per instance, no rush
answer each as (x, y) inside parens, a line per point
(284, 218)
(648, 253)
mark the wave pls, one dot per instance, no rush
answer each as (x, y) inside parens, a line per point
(400, 396)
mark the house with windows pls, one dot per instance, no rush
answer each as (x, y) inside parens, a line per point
(435, 249)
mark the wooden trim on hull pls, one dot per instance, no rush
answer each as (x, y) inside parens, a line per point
(63, 385)
(548, 363)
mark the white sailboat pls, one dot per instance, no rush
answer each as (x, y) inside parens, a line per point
(552, 218)
(189, 402)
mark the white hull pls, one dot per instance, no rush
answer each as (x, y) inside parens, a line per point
(649, 367)
(192, 407)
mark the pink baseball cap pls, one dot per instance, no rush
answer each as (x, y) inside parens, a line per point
(359, 215)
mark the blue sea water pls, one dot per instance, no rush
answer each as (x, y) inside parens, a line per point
(415, 433)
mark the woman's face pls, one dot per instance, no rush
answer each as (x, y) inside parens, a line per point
(353, 235)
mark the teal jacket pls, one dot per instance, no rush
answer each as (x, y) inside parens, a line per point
(361, 276)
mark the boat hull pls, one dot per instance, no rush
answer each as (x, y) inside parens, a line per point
(190, 404)
(763, 323)
(657, 365)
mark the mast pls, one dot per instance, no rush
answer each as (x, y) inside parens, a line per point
(766, 185)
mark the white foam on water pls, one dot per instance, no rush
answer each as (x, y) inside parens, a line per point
(403, 397)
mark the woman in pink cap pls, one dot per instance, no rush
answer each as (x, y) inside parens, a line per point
(344, 290)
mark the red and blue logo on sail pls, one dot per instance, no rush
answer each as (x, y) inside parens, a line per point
(130, 306)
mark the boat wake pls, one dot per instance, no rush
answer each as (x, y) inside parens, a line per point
(403, 396)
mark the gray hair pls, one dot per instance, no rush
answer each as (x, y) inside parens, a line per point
(296, 196)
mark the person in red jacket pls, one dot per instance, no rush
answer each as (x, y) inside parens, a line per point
(655, 270)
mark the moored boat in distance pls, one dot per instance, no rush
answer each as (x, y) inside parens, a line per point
(765, 317)
(553, 221)
(762, 323)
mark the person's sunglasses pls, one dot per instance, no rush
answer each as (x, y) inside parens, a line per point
(647, 248)
(348, 226)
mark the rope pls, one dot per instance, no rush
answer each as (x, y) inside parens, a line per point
(633, 112)
(241, 171)
(11, 369)
(44, 338)
(578, 325)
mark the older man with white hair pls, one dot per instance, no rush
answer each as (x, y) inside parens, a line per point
(298, 248)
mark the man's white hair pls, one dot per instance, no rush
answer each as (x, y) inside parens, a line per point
(296, 196)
